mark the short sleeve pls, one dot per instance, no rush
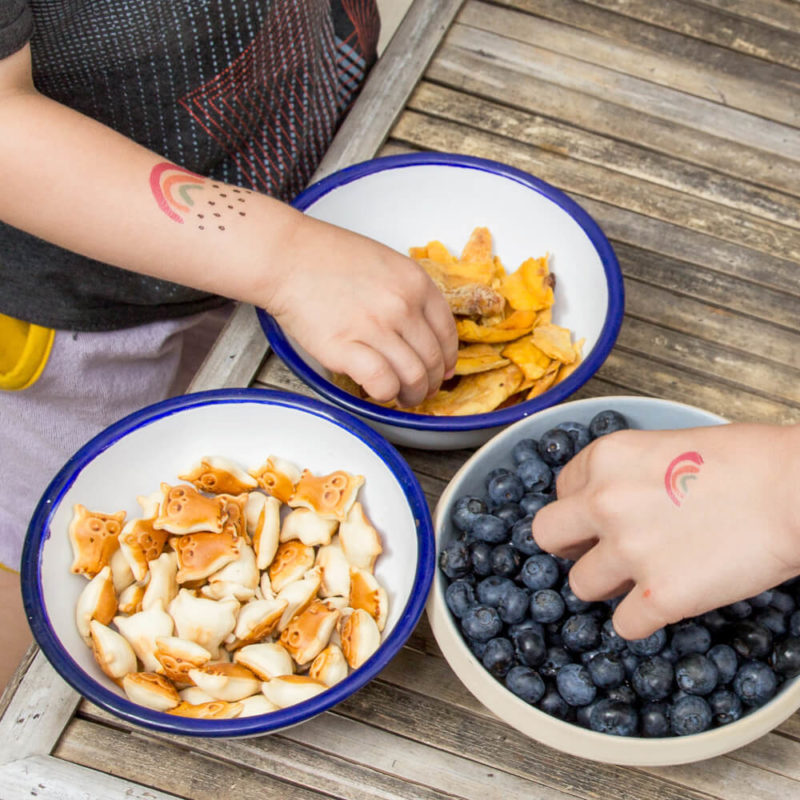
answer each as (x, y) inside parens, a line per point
(16, 26)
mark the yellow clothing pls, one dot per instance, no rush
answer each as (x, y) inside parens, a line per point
(24, 350)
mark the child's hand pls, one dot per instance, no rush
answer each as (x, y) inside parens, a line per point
(362, 309)
(687, 521)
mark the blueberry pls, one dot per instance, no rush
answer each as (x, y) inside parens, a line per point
(785, 657)
(539, 572)
(478, 648)
(783, 602)
(725, 660)
(534, 501)
(690, 714)
(654, 720)
(556, 447)
(527, 624)
(610, 640)
(553, 703)
(525, 683)
(489, 528)
(794, 624)
(505, 488)
(535, 474)
(465, 510)
(773, 620)
(555, 658)
(669, 654)
(522, 537)
(481, 623)
(547, 605)
(490, 590)
(649, 646)
(761, 600)
(454, 559)
(605, 422)
(652, 678)
(575, 685)
(755, 683)
(578, 432)
(741, 609)
(513, 604)
(580, 632)
(510, 513)
(480, 558)
(749, 639)
(498, 657)
(524, 449)
(726, 707)
(696, 674)
(714, 621)
(624, 693)
(460, 597)
(583, 714)
(530, 648)
(690, 637)
(573, 603)
(505, 560)
(613, 717)
(631, 662)
(496, 473)
(607, 670)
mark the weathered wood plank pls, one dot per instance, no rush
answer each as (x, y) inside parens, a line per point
(648, 52)
(744, 35)
(598, 183)
(708, 360)
(671, 383)
(510, 78)
(784, 14)
(638, 161)
(50, 779)
(169, 766)
(36, 713)
(681, 312)
(628, 90)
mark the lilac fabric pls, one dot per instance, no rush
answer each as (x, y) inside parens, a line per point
(90, 381)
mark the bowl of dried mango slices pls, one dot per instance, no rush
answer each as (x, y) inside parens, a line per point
(533, 283)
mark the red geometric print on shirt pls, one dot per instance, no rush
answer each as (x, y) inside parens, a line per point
(274, 109)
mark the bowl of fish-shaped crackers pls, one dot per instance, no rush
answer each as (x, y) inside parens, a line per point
(227, 563)
(533, 283)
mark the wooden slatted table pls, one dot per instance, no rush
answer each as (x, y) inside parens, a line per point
(675, 124)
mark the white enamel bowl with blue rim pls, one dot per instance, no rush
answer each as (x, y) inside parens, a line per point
(642, 413)
(133, 456)
(409, 200)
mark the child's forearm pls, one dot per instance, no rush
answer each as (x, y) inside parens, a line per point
(72, 181)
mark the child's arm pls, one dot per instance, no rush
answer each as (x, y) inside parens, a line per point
(359, 307)
(687, 520)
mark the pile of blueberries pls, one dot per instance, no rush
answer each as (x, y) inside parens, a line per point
(514, 607)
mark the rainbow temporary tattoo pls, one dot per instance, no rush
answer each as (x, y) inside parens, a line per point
(181, 193)
(172, 187)
(681, 470)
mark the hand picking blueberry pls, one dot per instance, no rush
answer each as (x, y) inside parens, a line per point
(518, 614)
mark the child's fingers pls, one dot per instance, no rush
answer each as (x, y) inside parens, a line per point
(598, 575)
(368, 368)
(405, 362)
(564, 528)
(638, 615)
(440, 318)
(423, 341)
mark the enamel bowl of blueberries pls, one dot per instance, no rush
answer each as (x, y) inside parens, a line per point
(551, 665)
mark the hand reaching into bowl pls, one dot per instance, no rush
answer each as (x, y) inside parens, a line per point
(365, 310)
(683, 521)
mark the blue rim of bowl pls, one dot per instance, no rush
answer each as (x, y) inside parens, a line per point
(403, 419)
(73, 674)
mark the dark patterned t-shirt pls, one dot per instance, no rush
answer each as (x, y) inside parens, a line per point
(247, 91)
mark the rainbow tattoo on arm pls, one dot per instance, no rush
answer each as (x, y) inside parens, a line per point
(181, 193)
(681, 470)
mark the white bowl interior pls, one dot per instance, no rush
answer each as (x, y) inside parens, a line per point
(643, 413)
(409, 206)
(246, 433)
